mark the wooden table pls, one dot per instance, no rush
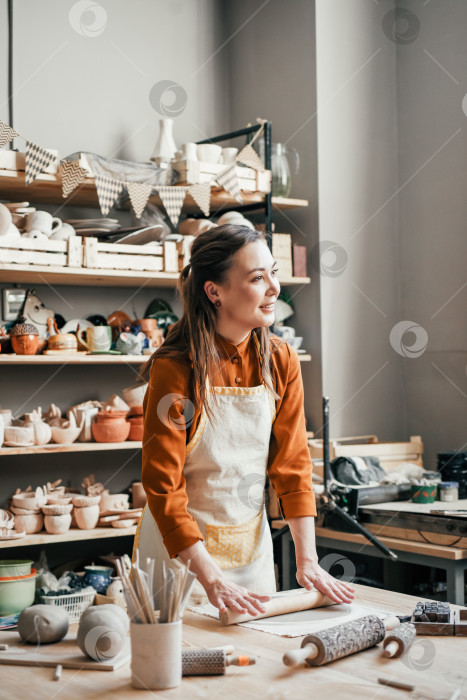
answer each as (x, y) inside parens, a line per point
(435, 665)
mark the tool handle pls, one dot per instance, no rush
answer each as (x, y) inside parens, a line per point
(391, 622)
(240, 661)
(298, 656)
(390, 649)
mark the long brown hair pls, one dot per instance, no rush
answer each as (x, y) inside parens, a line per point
(192, 338)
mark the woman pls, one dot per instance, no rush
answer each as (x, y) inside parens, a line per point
(223, 408)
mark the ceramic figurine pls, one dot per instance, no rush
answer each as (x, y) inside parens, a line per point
(113, 501)
(24, 338)
(92, 487)
(35, 312)
(85, 412)
(42, 430)
(60, 342)
(102, 631)
(43, 624)
(115, 403)
(130, 344)
(67, 431)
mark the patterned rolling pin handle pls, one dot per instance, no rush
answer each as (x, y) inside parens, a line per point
(339, 641)
(399, 641)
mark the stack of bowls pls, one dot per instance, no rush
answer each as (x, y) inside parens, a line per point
(17, 586)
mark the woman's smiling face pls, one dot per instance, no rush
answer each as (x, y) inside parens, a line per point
(250, 291)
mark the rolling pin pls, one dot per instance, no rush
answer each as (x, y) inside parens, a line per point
(297, 599)
(339, 641)
(210, 662)
(399, 641)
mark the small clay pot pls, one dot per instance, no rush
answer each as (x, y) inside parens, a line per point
(30, 523)
(18, 436)
(24, 338)
(58, 500)
(29, 500)
(138, 495)
(57, 524)
(86, 518)
(136, 427)
(113, 501)
(57, 509)
(110, 426)
(80, 501)
(147, 324)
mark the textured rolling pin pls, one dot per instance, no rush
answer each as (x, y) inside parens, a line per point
(339, 641)
(399, 641)
(210, 662)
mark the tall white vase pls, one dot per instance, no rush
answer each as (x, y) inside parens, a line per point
(165, 147)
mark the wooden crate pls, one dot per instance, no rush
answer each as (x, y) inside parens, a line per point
(194, 171)
(390, 454)
(16, 161)
(37, 251)
(118, 256)
(282, 253)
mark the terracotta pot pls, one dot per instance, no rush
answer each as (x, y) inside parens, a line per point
(57, 524)
(136, 427)
(110, 426)
(147, 324)
(31, 523)
(26, 344)
(86, 518)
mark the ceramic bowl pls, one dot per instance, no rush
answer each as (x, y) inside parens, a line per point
(85, 501)
(25, 511)
(86, 518)
(16, 436)
(29, 523)
(17, 594)
(58, 500)
(98, 577)
(134, 394)
(57, 510)
(57, 524)
(65, 435)
(29, 501)
(15, 567)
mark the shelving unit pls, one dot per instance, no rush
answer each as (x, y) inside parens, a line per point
(72, 359)
(54, 448)
(42, 538)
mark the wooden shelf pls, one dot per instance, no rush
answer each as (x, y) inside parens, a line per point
(74, 535)
(87, 277)
(76, 359)
(48, 189)
(52, 448)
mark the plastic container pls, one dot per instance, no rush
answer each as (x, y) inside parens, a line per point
(74, 603)
(448, 491)
(17, 594)
(424, 494)
(15, 567)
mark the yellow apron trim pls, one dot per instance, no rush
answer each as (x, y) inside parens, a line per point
(232, 546)
(137, 534)
(198, 433)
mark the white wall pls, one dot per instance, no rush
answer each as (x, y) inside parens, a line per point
(433, 213)
(357, 172)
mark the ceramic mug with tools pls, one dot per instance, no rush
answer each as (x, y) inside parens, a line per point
(44, 222)
(98, 338)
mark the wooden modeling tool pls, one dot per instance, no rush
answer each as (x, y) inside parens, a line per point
(399, 641)
(211, 662)
(339, 641)
(396, 684)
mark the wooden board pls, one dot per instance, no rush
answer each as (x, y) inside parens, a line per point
(66, 653)
(53, 448)
(417, 535)
(73, 535)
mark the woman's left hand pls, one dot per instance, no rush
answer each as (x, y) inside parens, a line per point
(310, 574)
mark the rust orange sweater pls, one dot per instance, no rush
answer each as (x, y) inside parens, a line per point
(164, 441)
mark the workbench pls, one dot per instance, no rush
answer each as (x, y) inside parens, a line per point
(433, 664)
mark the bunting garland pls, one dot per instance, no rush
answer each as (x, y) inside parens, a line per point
(201, 193)
(7, 134)
(139, 194)
(228, 179)
(108, 189)
(72, 175)
(37, 160)
(172, 199)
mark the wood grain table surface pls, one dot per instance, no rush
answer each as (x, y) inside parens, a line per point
(436, 666)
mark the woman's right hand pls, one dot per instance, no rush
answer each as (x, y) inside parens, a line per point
(223, 594)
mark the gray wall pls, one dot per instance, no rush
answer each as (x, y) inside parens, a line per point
(432, 215)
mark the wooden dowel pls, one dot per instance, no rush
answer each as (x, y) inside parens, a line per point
(396, 684)
(391, 649)
(298, 656)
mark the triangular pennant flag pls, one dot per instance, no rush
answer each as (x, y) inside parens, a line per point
(72, 175)
(248, 156)
(228, 179)
(37, 160)
(172, 199)
(108, 190)
(139, 194)
(201, 193)
(7, 134)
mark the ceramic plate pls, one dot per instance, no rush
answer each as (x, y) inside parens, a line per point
(71, 326)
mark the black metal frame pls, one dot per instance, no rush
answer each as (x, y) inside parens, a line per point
(267, 204)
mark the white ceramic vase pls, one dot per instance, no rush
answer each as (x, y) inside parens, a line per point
(165, 147)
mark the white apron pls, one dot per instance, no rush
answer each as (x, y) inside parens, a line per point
(225, 471)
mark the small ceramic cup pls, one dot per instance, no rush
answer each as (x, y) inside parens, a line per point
(98, 338)
(156, 655)
(98, 577)
(209, 152)
(229, 154)
(43, 221)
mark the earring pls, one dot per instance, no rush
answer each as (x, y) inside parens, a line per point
(217, 304)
